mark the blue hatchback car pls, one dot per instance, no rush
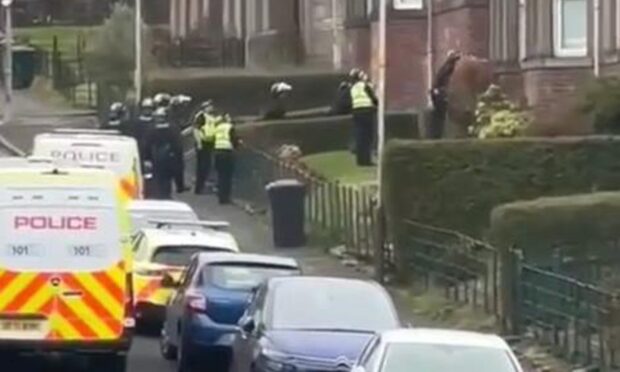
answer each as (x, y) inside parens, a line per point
(213, 293)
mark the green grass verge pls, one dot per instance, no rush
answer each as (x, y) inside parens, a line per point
(340, 166)
(43, 36)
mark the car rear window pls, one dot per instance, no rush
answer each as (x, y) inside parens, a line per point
(51, 229)
(244, 276)
(179, 255)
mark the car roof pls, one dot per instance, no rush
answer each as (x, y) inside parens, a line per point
(159, 205)
(217, 258)
(444, 337)
(321, 281)
(203, 237)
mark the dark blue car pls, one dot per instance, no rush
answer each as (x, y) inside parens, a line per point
(214, 292)
(310, 324)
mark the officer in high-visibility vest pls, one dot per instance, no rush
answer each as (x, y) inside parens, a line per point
(226, 142)
(363, 104)
(204, 138)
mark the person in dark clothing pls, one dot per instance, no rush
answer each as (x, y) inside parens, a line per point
(144, 124)
(342, 101)
(279, 94)
(364, 104)
(117, 117)
(226, 142)
(176, 114)
(164, 149)
(439, 93)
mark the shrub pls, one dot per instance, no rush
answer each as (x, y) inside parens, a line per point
(601, 103)
(324, 134)
(572, 223)
(497, 117)
(455, 184)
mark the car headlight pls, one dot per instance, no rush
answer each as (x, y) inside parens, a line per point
(273, 360)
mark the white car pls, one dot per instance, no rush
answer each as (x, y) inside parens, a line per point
(436, 350)
(143, 211)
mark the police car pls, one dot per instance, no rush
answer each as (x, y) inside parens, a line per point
(163, 251)
(142, 211)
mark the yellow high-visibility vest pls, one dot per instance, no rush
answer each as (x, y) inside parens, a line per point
(208, 129)
(223, 140)
(359, 97)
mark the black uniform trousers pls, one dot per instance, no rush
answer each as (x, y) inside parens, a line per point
(438, 115)
(225, 167)
(163, 181)
(204, 160)
(179, 174)
(364, 126)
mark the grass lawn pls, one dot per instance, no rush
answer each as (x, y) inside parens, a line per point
(43, 36)
(340, 166)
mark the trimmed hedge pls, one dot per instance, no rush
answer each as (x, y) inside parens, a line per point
(582, 225)
(456, 183)
(246, 93)
(323, 134)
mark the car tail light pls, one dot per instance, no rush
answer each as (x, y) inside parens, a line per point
(196, 302)
(130, 320)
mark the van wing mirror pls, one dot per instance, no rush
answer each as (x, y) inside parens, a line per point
(358, 369)
(168, 282)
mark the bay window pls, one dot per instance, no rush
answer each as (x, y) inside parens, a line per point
(571, 28)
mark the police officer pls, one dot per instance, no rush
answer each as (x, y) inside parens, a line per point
(117, 116)
(144, 124)
(226, 142)
(279, 94)
(164, 149)
(204, 137)
(439, 93)
(162, 100)
(363, 104)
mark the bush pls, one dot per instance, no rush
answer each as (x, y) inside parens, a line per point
(324, 134)
(246, 93)
(583, 225)
(601, 103)
(455, 184)
(497, 117)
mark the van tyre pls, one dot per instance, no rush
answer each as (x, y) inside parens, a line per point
(112, 362)
(167, 350)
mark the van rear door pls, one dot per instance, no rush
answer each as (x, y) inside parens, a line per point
(61, 264)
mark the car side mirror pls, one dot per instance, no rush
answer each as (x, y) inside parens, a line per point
(358, 369)
(248, 325)
(168, 282)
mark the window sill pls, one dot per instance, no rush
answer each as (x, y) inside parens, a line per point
(556, 62)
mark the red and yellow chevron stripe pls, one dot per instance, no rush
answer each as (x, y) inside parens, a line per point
(82, 307)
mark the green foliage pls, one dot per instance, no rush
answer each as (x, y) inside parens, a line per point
(601, 102)
(323, 134)
(581, 225)
(111, 52)
(497, 117)
(455, 184)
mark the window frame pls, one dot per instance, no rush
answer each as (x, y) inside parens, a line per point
(558, 22)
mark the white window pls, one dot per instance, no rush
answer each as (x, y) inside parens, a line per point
(408, 4)
(571, 28)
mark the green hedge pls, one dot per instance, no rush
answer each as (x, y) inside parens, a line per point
(456, 183)
(323, 134)
(581, 225)
(245, 93)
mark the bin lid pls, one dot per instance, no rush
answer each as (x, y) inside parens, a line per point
(284, 183)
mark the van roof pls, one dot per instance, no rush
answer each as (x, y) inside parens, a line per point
(85, 136)
(46, 168)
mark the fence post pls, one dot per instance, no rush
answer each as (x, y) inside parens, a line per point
(380, 246)
(510, 279)
(611, 330)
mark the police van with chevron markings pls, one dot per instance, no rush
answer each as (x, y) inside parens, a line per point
(65, 264)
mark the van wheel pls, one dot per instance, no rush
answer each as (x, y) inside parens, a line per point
(112, 362)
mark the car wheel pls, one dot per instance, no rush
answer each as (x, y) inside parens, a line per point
(111, 362)
(184, 359)
(168, 351)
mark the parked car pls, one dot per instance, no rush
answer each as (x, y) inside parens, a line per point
(201, 318)
(166, 252)
(143, 211)
(310, 324)
(437, 350)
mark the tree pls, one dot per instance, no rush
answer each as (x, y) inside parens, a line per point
(110, 58)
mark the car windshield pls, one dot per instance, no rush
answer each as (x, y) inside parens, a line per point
(179, 255)
(243, 276)
(332, 306)
(446, 358)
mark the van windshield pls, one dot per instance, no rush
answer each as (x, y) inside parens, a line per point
(59, 229)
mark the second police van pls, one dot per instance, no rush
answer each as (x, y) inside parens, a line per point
(65, 264)
(120, 154)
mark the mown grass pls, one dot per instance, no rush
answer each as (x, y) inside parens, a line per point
(340, 166)
(43, 37)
